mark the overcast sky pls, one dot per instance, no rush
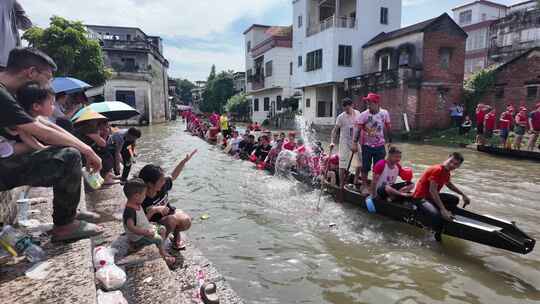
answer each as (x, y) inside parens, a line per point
(199, 33)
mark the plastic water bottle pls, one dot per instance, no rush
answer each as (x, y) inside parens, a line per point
(21, 244)
(93, 179)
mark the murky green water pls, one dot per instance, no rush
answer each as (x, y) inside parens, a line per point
(271, 244)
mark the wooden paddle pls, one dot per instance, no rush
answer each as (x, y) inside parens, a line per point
(323, 181)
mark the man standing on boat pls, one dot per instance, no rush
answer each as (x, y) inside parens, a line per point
(534, 126)
(345, 126)
(433, 204)
(373, 123)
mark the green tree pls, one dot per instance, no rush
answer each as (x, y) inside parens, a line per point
(68, 44)
(476, 86)
(239, 105)
(183, 89)
(219, 88)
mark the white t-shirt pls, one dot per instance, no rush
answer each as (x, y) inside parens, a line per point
(346, 124)
(387, 175)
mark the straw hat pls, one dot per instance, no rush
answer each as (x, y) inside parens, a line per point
(90, 115)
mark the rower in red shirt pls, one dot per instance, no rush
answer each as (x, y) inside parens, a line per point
(489, 122)
(522, 123)
(436, 206)
(504, 125)
(480, 115)
(290, 142)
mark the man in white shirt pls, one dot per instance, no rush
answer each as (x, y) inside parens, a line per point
(345, 124)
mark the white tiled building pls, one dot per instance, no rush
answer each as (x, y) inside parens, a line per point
(476, 18)
(268, 68)
(328, 39)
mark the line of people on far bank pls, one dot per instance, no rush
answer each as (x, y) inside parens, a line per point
(362, 146)
(40, 146)
(520, 123)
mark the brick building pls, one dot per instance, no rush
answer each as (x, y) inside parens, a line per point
(417, 70)
(139, 68)
(517, 82)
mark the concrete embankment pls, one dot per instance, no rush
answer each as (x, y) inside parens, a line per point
(70, 275)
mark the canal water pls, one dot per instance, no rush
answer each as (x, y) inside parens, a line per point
(267, 238)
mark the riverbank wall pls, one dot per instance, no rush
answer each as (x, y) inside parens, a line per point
(69, 275)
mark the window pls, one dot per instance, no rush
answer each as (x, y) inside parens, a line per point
(128, 37)
(384, 62)
(531, 34)
(384, 15)
(268, 68)
(300, 21)
(299, 61)
(324, 109)
(345, 55)
(404, 58)
(465, 17)
(256, 105)
(314, 60)
(507, 39)
(278, 102)
(476, 40)
(248, 46)
(290, 68)
(266, 104)
(308, 102)
(445, 55)
(532, 91)
(127, 97)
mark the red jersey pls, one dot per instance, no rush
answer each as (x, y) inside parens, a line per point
(522, 119)
(506, 120)
(480, 116)
(490, 121)
(535, 119)
(289, 145)
(437, 174)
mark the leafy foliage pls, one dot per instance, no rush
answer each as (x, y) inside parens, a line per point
(477, 86)
(183, 89)
(219, 88)
(75, 54)
(238, 104)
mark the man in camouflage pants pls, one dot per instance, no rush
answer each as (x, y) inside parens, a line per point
(59, 165)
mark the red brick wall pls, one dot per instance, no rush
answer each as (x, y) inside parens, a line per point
(433, 42)
(513, 77)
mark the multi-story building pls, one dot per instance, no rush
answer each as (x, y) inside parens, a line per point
(269, 68)
(328, 39)
(476, 18)
(197, 94)
(417, 70)
(516, 33)
(239, 82)
(139, 71)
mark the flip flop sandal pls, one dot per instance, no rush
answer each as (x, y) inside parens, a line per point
(87, 216)
(209, 293)
(84, 231)
(173, 244)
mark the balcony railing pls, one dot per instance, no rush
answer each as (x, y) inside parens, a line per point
(384, 79)
(330, 22)
(257, 85)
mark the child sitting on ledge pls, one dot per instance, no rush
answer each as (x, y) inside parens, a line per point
(138, 229)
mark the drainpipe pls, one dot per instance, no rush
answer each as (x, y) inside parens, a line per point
(149, 100)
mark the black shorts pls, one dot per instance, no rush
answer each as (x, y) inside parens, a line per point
(480, 129)
(381, 191)
(156, 218)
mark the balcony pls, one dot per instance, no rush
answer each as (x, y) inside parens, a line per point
(331, 22)
(385, 79)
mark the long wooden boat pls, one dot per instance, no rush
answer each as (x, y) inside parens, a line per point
(482, 229)
(518, 154)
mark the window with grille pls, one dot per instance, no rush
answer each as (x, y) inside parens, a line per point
(266, 104)
(314, 60)
(268, 68)
(384, 15)
(256, 105)
(465, 17)
(345, 55)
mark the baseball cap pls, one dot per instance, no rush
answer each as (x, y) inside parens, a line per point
(372, 97)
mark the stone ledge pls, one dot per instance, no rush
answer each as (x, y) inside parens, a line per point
(71, 276)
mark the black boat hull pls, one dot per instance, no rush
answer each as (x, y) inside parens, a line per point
(518, 154)
(482, 229)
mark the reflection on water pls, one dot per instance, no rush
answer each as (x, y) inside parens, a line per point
(266, 236)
